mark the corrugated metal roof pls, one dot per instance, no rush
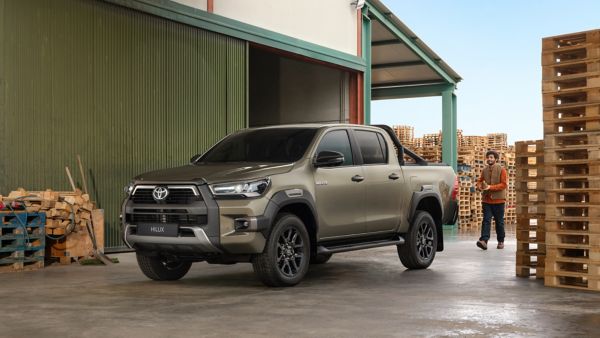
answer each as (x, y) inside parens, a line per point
(394, 63)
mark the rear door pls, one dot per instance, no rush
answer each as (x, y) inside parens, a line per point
(383, 181)
(340, 192)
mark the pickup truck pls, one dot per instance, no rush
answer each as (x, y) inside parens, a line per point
(285, 197)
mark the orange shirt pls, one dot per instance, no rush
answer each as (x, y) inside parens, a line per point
(494, 187)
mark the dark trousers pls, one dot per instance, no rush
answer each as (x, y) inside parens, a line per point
(497, 211)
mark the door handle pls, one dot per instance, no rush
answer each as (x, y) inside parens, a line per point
(357, 178)
(393, 176)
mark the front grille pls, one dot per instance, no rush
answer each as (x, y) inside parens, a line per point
(176, 196)
(181, 219)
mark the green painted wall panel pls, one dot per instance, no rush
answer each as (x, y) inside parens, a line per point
(128, 91)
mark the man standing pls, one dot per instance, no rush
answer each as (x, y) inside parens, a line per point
(492, 183)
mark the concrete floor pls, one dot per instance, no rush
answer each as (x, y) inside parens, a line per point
(466, 292)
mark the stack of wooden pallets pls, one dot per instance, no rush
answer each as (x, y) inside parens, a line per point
(465, 190)
(22, 241)
(531, 237)
(471, 160)
(406, 135)
(432, 140)
(508, 162)
(496, 140)
(571, 99)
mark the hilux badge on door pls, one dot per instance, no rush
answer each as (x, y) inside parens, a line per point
(160, 193)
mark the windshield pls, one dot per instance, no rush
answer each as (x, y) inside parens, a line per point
(277, 145)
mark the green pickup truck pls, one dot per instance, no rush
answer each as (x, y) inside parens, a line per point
(285, 197)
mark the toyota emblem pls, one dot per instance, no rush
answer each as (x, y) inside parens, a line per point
(160, 193)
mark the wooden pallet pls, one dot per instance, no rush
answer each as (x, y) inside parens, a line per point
(572, 268)
(530, 264)
(571, 98)
(584, 119)
(561, 225)
(22, 241)
(569, 115)
(571, 40)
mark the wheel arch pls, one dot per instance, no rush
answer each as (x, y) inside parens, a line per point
(430, 202)
(302, 206)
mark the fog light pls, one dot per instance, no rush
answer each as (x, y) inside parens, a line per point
(242, 224)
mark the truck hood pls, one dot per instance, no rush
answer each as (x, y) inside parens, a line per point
(216, 172)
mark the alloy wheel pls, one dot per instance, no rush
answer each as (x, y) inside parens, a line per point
(290, 252)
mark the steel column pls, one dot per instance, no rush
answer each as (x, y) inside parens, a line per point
(366, 51)
(449, 128)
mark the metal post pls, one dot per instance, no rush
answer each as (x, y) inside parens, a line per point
(449, 128)
(366, 47)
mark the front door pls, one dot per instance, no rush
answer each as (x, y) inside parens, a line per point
(340, 192)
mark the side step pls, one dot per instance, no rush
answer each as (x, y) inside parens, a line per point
(358, 246)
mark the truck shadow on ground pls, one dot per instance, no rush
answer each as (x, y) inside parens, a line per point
(335, 273)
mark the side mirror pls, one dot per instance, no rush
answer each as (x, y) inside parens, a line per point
(195, 158)
(328, 158)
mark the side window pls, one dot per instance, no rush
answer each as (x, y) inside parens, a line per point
(337, 140)
(383, 146)
(370, 147)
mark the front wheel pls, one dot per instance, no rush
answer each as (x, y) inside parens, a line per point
(285, 259)
(419, 249)
(161, 268)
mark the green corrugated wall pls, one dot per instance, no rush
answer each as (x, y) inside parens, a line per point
(127, 91)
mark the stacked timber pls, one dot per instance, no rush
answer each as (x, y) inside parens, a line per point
(69, 218)
(571, 101)
(531, 236)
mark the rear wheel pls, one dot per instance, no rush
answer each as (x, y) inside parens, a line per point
(162, 268)
(419, 249)
(285, 259)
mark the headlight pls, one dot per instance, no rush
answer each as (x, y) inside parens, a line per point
(241, 189)
(128, 189)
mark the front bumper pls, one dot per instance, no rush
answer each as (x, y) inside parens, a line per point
(212, 229)
(199, 243)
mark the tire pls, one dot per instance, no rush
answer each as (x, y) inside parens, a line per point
(419, 249)
(286, 256)
(160, 269)
(320, 258)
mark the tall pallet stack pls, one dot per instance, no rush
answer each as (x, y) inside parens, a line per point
(571, 99)
(465, 190)
(508, 161)
(531, 236)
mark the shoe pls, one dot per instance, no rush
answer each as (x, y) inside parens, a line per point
(500, 245)
(482, 244)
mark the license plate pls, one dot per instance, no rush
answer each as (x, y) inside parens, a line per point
(158, 229)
